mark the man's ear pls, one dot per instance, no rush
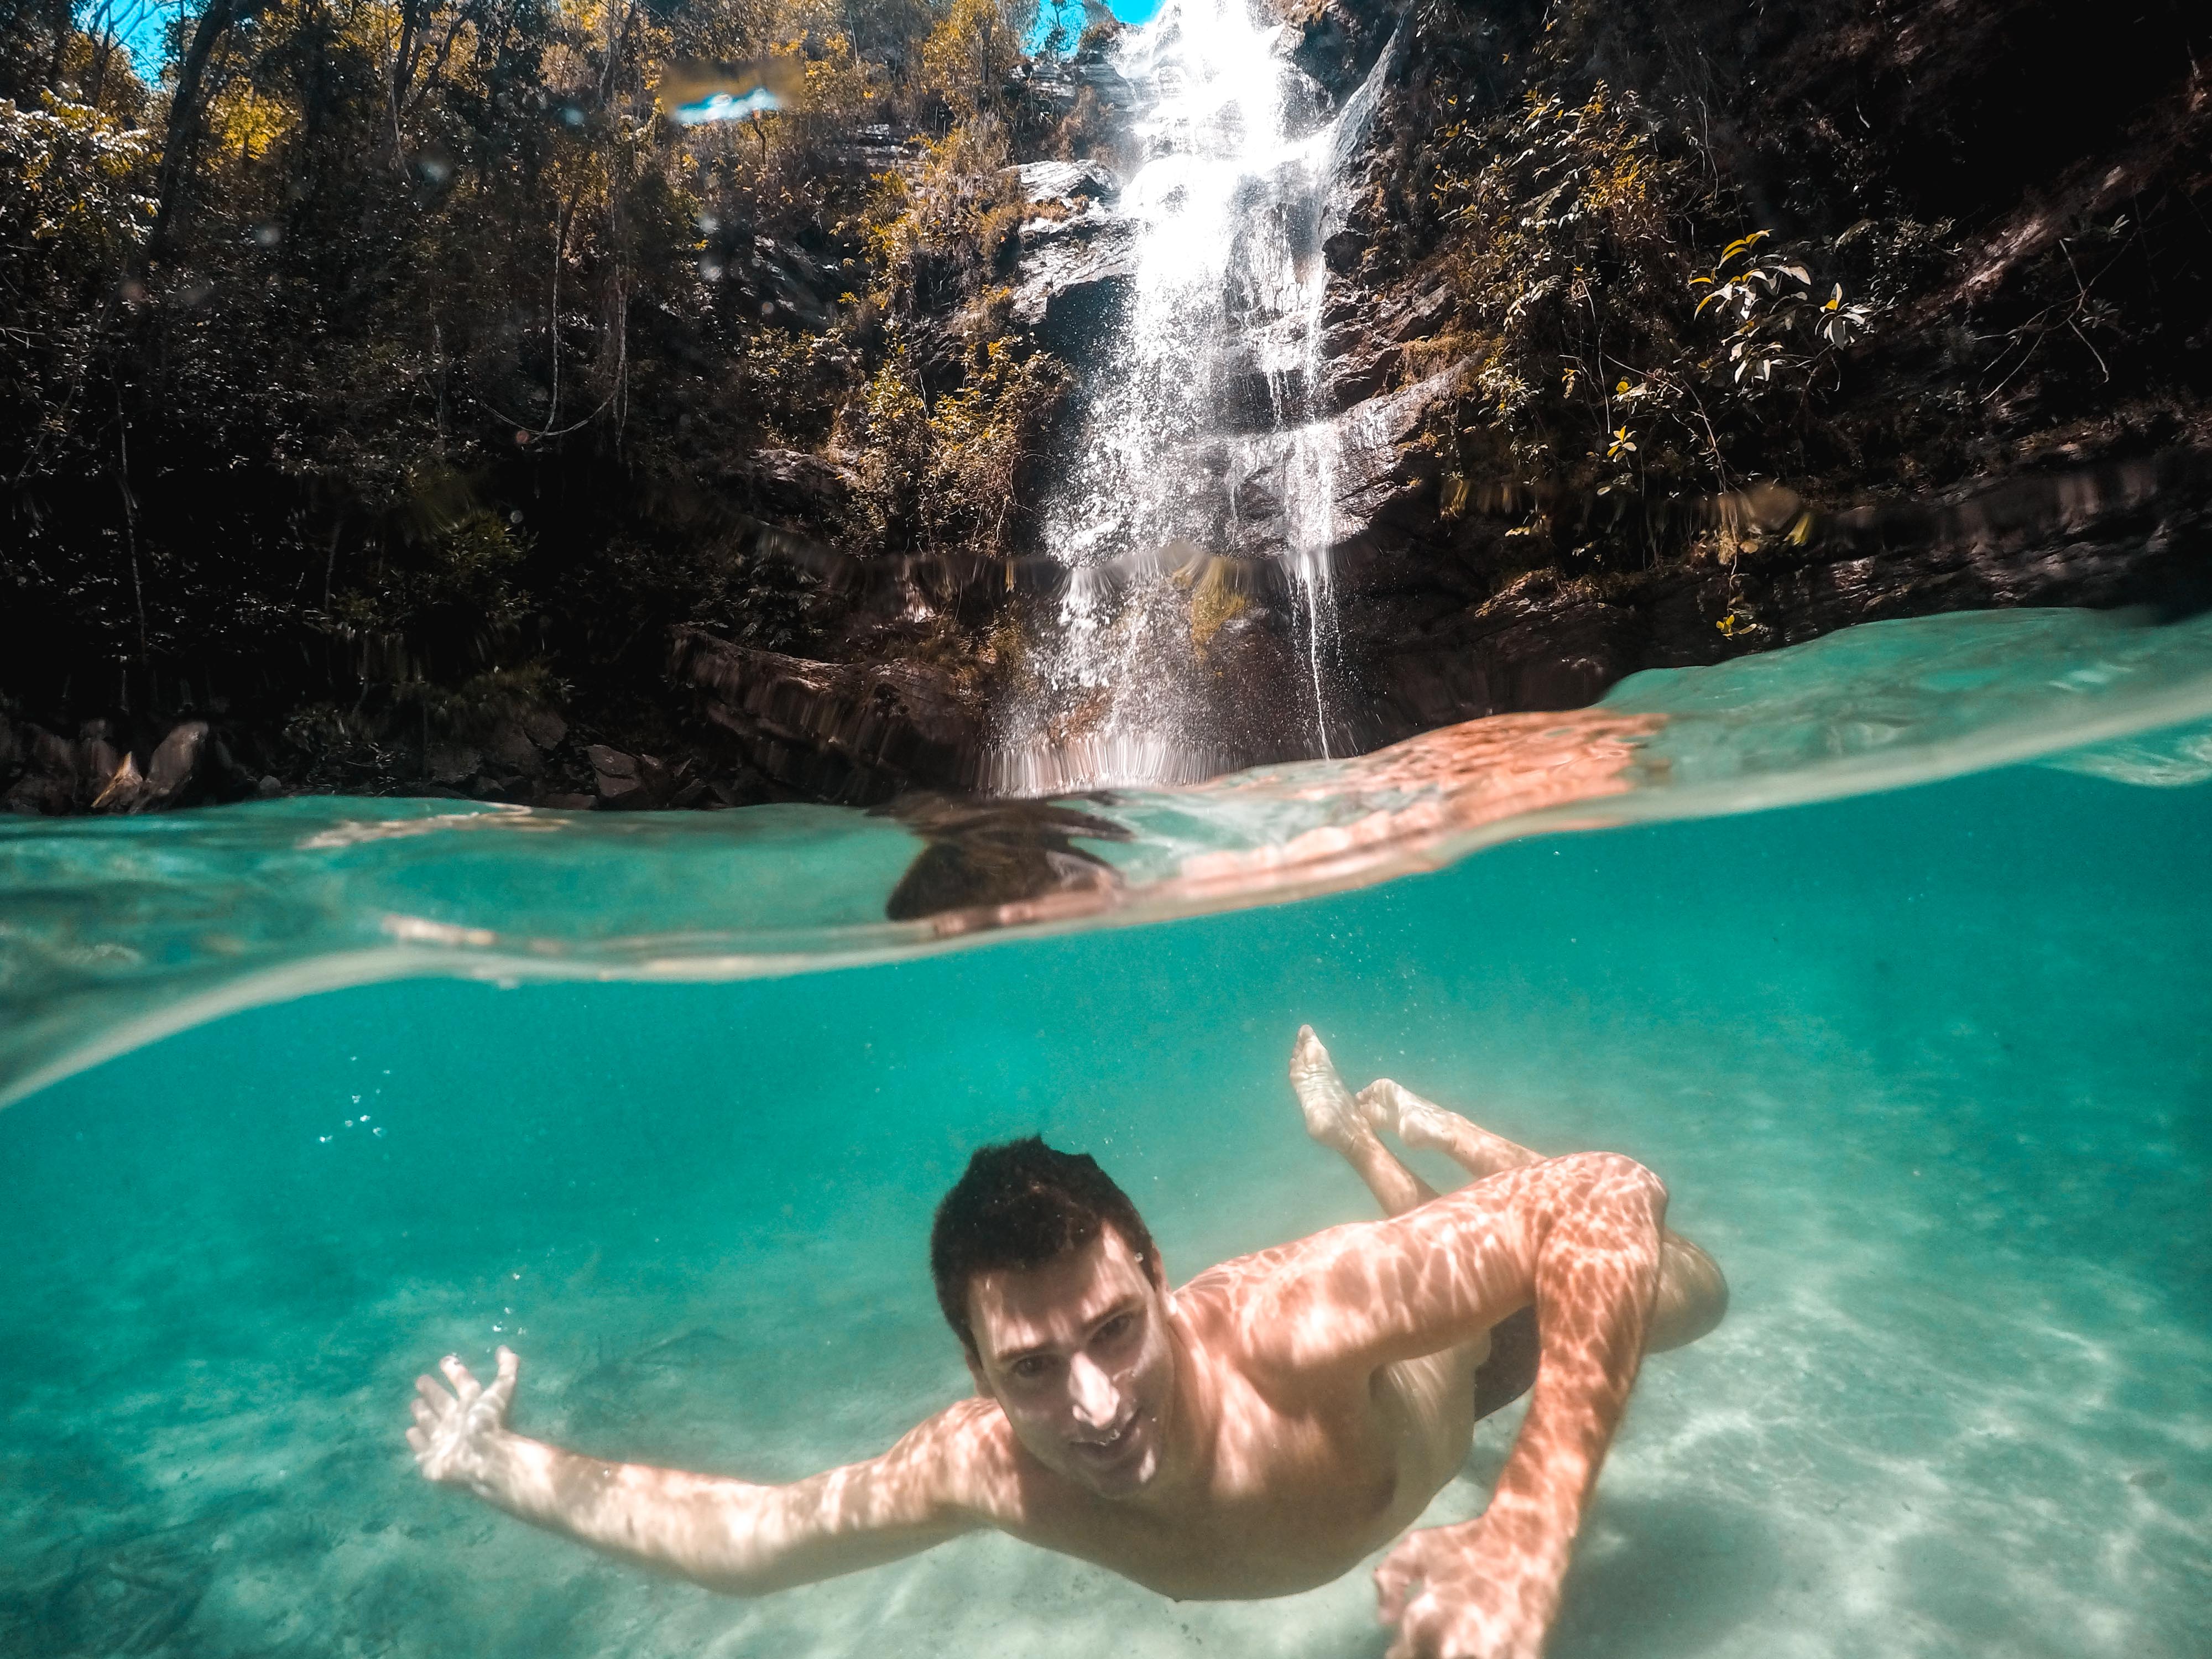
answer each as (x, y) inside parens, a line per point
(975, 1371)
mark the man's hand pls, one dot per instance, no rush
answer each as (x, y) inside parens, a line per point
(454, 1432)
(1467, 1592)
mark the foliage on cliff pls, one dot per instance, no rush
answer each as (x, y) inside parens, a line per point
(382, 348)
(1852, 247)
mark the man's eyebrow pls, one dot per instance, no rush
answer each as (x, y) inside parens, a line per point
(1133, 1303)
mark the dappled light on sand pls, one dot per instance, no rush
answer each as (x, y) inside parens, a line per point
(1257, 1432)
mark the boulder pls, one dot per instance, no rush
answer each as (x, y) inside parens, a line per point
(1075, 256)
(125, 790)
(785, 284)
(857, 733)
(1337, 41)
(175, 760)
(49, 785)
(794, 485)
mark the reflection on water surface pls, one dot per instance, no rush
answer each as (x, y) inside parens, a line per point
(117, 931)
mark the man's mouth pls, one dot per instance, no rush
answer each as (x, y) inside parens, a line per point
(1110, 1448)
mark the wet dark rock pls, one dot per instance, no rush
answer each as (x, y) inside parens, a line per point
(627, 782)
(1105, 82)
(451, 763)
(1337, 41)
(544, 727)
(1366, 344)
(787, 285)
(45, 766)
(868, 150)
(508, 745)
(1075, 256)
(1382, 488)
(1343, 249)
(795, 485)
(97, 758)
(2133, 533)
(176, 759)
(857, 732)
(54, 776)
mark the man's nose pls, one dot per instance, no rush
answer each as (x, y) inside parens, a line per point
(1098, 1401)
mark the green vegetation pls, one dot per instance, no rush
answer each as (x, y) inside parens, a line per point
(1676, 250)
(384, 383)
(383, 353)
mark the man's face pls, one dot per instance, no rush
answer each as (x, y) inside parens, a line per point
(1076, 1354)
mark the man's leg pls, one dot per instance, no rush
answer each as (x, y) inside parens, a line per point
(1692, 1293)
(1338, 1121)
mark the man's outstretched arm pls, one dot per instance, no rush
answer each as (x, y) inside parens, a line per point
(1579, 1237)
(728, 1534)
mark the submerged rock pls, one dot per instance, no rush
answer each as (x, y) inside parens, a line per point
(982, 854)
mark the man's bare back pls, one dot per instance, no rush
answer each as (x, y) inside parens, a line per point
(1258, 1431)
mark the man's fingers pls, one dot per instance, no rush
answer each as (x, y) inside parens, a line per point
(433, 1392)
(418, 1441)
(465, 1387)
(501, 1391)
(424, 1413)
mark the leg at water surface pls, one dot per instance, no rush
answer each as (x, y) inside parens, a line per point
(1692, 1292)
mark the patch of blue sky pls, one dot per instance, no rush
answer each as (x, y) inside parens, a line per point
(143, 27)
(1068, 16)
(140, 27)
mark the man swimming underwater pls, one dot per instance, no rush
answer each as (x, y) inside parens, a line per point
(1254, 1433)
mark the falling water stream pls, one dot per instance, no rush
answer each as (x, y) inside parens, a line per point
(1201, 433)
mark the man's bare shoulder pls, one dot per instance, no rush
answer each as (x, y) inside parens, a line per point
(967, 1457)
(1235, 1307)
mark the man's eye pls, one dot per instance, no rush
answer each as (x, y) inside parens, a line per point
(1029, 1368)
(1119, 1325)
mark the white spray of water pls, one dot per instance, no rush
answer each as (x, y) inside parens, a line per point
(1226, 210)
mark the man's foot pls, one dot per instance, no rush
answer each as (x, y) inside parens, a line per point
(1417, 1123)
(1332, 1117)
(1425, 1126)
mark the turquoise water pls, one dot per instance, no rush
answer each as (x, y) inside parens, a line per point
(1927, 1069)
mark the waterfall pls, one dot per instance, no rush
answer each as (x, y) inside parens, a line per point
(1199, 486)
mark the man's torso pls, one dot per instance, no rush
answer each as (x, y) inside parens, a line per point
(1307, 1473)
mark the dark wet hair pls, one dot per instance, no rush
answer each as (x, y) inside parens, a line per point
(1020, 1205)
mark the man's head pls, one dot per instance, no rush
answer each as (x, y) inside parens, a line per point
(1051, 1279)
